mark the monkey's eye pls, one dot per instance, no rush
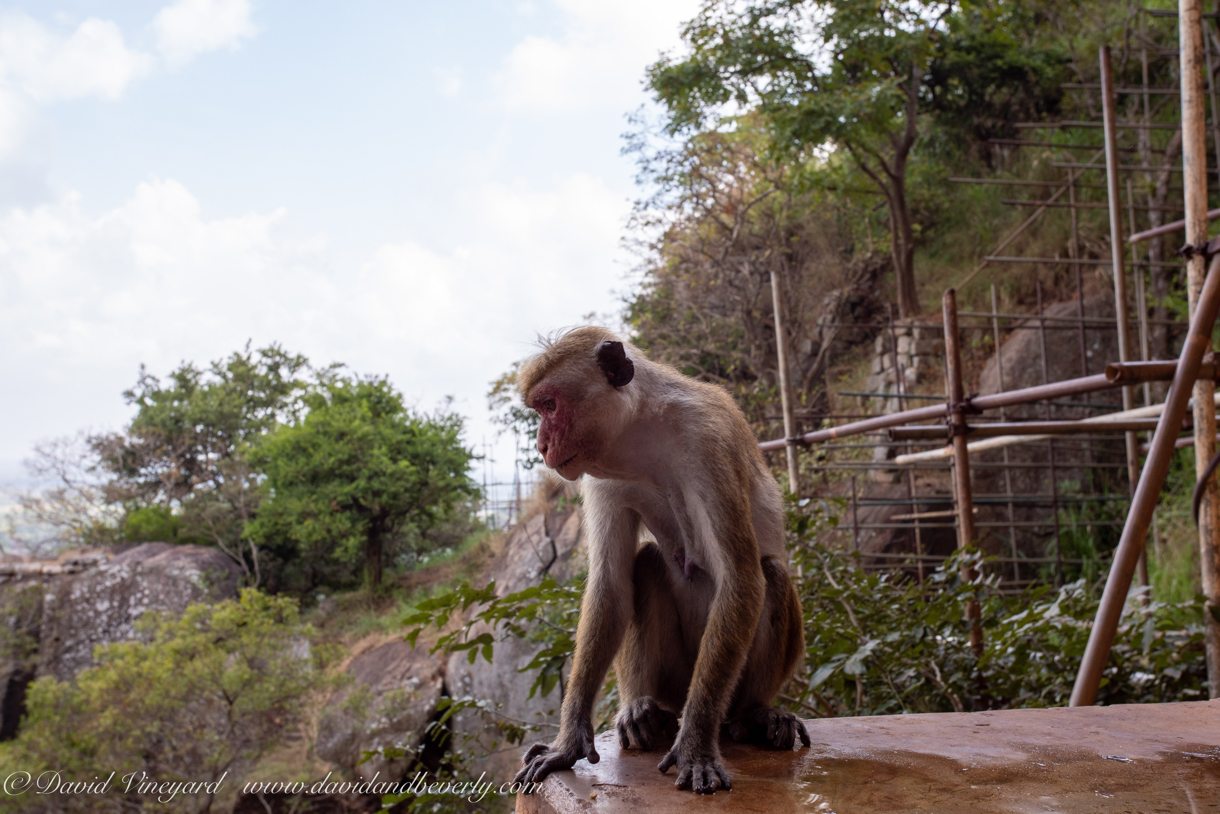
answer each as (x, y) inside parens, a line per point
(548, 405)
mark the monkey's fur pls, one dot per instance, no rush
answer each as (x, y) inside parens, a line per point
(701, 621)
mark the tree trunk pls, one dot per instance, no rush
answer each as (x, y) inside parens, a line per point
(372, 560)
(902, 247)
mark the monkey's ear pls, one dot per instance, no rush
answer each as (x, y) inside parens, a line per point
(613, 361)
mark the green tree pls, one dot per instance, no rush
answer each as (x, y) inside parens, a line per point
(357, 477)
(724, 217)
(201, 696)
(858, 75)
(187, 449)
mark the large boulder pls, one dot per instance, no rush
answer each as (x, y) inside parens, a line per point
(1081, 466)
(547, 544)
(101, 605)
(388, 703)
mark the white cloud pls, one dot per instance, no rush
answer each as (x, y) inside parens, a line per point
(84, 299)
(599, 59)
(192, 27)
(449, 80)
(93, 60)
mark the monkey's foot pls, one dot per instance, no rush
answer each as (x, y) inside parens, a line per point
(768, 726)
(701, 773)
(642, 724)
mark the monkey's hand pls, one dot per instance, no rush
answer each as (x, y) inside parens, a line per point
(699, 769)
(542, 758)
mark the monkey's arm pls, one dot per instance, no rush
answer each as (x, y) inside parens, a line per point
(732, 619)
(604, 613)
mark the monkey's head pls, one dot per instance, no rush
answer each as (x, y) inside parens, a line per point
(575, 384)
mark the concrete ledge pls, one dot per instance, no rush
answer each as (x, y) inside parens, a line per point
(1136, 758)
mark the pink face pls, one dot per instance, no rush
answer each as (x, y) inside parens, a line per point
(558, 441)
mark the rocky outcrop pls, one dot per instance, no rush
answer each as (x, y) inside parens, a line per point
(548, 544)
(390, 700)
(54, 613)
(1081, 466)
(101, 605)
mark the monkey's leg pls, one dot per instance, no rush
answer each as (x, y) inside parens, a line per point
(652, 669)
(778, 644)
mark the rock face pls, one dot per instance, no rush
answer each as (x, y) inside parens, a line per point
(391, 699)
(549, 543)
(52, 616)
(102, 604)
(1081, 466)
(1020, 356)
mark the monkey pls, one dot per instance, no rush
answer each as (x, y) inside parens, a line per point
(702, 620)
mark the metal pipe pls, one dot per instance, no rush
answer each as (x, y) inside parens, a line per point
(1000, 428)
(1067, 387)
(880, 422)
(1147, 492)
(955, 393)
(1135, 372)
(1194, 186)
(1168, 228)
(781, 348)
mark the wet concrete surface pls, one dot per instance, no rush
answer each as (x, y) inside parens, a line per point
(1137, 758)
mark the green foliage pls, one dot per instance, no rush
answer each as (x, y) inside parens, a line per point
(355, 479)
(201, 696)
(182, 467)
(186, 425)
(881, 643)
(724, 217)
(544, 613)
(20, 616)
(858, 76)
(150, 524)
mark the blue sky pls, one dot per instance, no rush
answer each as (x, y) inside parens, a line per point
(415, 189)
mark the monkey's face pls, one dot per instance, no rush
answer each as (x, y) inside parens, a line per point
(562, 437)
(580, 413)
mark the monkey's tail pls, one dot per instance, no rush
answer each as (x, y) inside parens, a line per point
(1201, 485)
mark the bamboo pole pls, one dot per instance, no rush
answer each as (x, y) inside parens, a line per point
(781, 348)
(955, 392)
(1118, 258)
(1135, 530)
(1008, 440)
(1194, 165)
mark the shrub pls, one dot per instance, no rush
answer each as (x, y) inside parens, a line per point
(197, 702)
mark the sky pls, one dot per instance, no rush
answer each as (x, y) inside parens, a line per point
(415, 189)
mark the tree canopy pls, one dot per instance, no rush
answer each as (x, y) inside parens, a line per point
(859, 76)
(357, 478)
(187, 448)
